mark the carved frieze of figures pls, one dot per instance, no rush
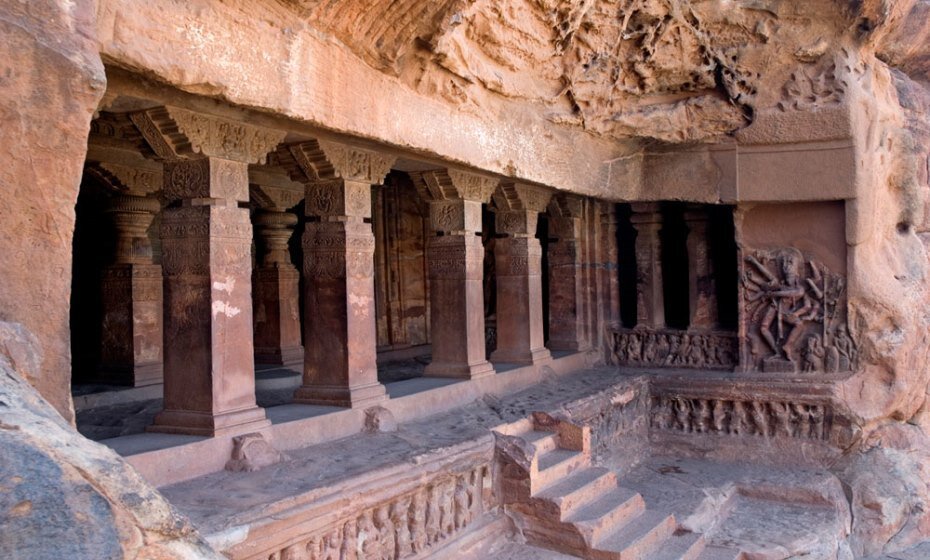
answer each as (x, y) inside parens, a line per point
(670, 348)
(405, 527)
(741, 418)
(795, 315)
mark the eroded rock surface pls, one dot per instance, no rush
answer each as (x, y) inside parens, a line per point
(66, 497)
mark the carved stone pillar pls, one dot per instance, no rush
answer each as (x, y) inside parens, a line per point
(518, 264)
(340, 335)
(206, 256)
(702, 288)
(131, 333)
(650, 301)
(455, 259)
(276, 286)
(566, 282)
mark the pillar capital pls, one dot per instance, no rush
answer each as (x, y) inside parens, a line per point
(565, 205)
(512, 197)
(518, 206)
(274, 228)
(174, 133)
(455, 198)
(273, 197)
(132, 216)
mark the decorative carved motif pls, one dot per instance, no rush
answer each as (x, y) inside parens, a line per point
(812, 88)
(406, 526)
(175, 133)
(742, 418)
(181, 178)
(795, 315)
(669, 348)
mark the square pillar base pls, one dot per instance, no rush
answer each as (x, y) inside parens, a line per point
(210, 425)
(293, 356)
(459, 371)
(537, 356)
(361, 396)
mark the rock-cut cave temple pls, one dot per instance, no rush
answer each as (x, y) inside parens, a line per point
(465, 279)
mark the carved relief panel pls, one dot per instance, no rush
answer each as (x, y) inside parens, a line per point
(408, 526)
(676, 349)
(794, 316)
(734, 417)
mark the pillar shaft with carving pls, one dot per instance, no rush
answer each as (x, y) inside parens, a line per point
(276, 287)
(702, 296)
(340, 333)
(566, 281)
(206, 257)
(518, 270)
(650, 300)
(131, 333)
(455, 260)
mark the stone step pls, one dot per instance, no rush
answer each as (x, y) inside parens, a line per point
(635, 540)
(603, 516)
(685, 546)
(580, 488)
(555, 465)
(542, 442)
(712, 552)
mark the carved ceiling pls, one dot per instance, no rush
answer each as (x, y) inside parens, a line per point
(672, 70)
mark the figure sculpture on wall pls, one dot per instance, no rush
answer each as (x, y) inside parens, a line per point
(670, 348)
(795, 315)
(720, 416)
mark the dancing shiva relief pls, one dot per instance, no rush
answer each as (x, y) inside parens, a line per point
(794, 315)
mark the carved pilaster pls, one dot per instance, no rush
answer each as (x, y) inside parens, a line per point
(650, 302)
(701, 285)
(275, 293)
(566, 285)
(456, 271)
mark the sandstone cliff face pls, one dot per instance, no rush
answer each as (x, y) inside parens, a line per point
(67, 497)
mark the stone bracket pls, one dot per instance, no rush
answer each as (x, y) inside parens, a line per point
(323, 160)
(175, 133)
(452, 184)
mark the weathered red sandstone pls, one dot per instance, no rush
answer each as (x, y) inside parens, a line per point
(724, 204)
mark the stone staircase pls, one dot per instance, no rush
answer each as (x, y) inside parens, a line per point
(561, 501)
